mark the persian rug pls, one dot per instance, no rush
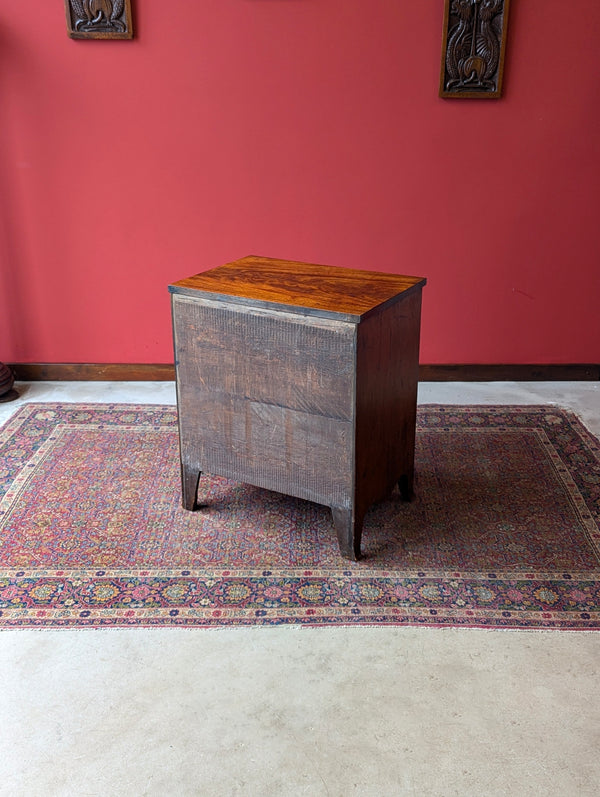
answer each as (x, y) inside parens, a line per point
(504, 530)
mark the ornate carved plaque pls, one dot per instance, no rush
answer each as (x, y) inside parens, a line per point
(473, 48)
(99, 19)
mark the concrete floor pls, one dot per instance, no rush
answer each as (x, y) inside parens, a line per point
(288, 711)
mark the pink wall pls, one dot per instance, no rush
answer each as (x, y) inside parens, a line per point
(308, 129)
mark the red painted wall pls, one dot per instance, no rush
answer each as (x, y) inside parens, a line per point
(307, 129)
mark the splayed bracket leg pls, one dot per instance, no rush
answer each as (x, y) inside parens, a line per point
(190, 478)
(348, 527)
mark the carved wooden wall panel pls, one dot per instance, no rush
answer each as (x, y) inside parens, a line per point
(473, 48)
(99, 19)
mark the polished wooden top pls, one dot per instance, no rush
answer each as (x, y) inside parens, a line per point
(307, 288)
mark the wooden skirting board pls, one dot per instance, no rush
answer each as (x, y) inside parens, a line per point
(575, 372)
(165, 372)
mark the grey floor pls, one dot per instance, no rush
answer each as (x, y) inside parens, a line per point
(288, 711)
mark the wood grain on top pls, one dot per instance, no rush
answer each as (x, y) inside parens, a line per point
(323, 290)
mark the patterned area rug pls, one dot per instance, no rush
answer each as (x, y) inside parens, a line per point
(504, 530)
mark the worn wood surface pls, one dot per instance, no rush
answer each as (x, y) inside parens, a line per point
(267, 357)
(266, 398)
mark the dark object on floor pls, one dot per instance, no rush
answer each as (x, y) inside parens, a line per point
(7, 381)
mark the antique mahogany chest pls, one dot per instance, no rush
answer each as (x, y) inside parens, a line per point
(299, 378)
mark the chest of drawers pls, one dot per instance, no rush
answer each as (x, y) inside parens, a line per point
(299, 378)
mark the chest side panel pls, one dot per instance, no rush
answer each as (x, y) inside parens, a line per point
(388, 370)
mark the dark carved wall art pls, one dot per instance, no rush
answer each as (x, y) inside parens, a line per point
(473, 48)
(99, 19)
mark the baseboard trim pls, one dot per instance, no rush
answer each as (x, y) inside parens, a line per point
(575, 372)
(93, 372)
(165, 372)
